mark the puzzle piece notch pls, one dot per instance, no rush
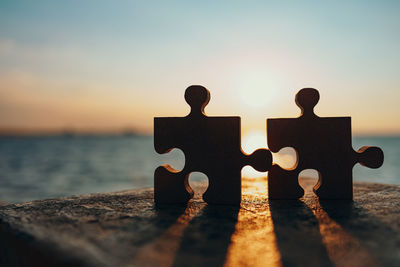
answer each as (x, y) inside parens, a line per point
(321, 143)
(211, 145)
(171, 186)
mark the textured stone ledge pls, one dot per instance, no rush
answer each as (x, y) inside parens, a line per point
(126, 229)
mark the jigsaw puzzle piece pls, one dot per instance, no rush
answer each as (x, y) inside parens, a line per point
(211, 145)
(224, 187)
(283, 184)
(225, 181)
(321, 143)
(337, 181)
(171, 186)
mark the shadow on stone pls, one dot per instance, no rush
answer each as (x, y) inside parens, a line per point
(378, 238)
(20, 249)
(152, 226)
(297, 233)
(206, 239)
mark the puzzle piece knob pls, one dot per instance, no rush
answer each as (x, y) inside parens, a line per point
(307, 99)
(261, 160)
(370, 156)
(197, 97)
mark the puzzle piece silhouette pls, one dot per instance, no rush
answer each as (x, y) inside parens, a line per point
(321, 143)
(211, 145)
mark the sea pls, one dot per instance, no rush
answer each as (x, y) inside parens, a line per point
(41, 167)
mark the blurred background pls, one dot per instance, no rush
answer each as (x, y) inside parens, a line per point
(80, 82)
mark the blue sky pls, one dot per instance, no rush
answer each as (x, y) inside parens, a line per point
(117, 64)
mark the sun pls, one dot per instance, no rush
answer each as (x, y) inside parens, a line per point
(253, 140)
(256, 89)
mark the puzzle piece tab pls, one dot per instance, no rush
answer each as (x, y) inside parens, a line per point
(211, 145)
(321, 143)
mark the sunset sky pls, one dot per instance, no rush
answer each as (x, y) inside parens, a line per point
(112, 65)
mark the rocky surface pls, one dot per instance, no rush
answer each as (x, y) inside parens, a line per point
(127, 229)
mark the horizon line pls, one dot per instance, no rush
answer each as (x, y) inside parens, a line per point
(127, 131)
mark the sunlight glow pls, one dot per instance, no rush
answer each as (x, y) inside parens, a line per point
(257, 88)
(286, 158)
(253, 140)
(110, 80)
(254, 242)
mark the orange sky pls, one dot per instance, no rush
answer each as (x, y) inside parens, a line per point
(95, 74)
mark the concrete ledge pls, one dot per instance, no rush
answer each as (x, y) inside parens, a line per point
(126, 229)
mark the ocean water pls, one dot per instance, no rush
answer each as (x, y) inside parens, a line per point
(47, 167)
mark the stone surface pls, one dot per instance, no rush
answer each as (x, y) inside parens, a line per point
(126, 229)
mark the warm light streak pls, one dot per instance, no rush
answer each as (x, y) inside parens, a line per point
(254, 242)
